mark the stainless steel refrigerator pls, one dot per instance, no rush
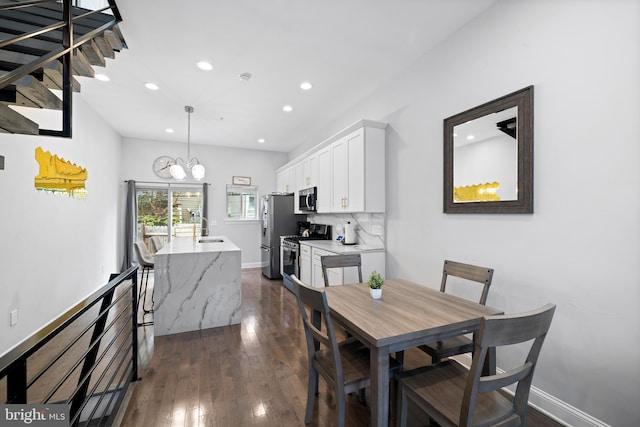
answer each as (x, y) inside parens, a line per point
(278, 220)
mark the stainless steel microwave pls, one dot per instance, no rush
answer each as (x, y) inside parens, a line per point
(307, 199)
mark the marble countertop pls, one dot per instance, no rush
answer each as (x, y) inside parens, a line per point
(339, 248)
(186, 245)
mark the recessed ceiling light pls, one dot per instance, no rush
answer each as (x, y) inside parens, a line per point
(151, 86)
(470, 137)
(261, 140)
(245, 77)
(102, 77)
(287, 108)
(169, 130)
(204, 65)
(305, 85)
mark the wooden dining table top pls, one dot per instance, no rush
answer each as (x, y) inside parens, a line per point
(406, 312)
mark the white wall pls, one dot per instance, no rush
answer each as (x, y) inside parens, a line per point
(56, 250)
(222, 164)
(580, 249)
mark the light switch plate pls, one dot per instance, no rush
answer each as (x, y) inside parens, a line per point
(14, 317)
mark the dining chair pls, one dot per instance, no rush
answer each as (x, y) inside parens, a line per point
(453, 395)
(146, 261)
(340, 261)
(157, 243)
(343, 364)
(459, 344)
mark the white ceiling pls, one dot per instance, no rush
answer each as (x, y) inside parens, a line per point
(346, 48)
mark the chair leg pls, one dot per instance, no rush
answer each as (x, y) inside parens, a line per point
(341, 405)
(312, 388)
(401, 415)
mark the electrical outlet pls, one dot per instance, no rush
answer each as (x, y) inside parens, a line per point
(14, 317)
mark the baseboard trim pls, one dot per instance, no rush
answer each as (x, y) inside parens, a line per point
(247, 265)
(549, 405)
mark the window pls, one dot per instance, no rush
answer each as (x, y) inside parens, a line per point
(242, 202)
(168, 212)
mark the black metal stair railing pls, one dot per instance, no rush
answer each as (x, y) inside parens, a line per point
(86, 358)
(67, 40)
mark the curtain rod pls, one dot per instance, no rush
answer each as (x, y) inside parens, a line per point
(167, 183)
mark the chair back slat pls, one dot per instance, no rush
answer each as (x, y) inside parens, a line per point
(341, 261)
(474, 273)
(496, 331)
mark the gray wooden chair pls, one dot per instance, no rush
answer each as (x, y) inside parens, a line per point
(453, 395)
(459, 344)
(340, 261)
(145, 260)
(344, 365)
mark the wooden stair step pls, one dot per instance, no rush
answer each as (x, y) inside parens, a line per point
(114, 38)
(30, 92)
(91, 50)
(52, 77)
(10, 60)
(14, 122)
(105, 47)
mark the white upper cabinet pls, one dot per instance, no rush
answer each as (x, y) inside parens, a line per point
(349, 170)
(358, 163)
(323, 202)
(284, 180)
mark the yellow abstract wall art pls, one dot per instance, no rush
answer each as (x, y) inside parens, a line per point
(60, 176)
(477, 193)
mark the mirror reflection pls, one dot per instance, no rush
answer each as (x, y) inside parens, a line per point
(485, 158)
(488, 157)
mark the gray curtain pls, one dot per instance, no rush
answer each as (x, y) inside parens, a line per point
(131, 209)
(205, 209)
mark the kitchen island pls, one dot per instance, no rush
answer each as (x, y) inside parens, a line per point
(197, 285)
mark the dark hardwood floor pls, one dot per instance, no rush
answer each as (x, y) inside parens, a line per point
(252, 374)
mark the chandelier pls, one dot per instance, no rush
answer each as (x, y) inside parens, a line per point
(179, 168)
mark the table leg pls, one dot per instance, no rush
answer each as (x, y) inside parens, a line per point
(379, 387)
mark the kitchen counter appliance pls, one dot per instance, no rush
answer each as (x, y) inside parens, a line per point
(307, 199)
(278, 220)
(291, 248)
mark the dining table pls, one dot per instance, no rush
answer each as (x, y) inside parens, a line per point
(407, 315)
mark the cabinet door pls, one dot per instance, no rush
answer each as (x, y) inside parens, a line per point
(340, 174)
(347, 157)
(323, 203)
(312, 170)
(305, 264)
(316, 273)
(284, 182)
(335, 274)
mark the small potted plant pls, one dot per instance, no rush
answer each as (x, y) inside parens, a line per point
(375, 285)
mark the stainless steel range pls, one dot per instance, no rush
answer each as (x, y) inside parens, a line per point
(291, 248)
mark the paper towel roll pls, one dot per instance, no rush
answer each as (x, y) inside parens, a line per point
(349, 234)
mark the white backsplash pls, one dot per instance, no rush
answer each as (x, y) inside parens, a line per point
(369, 227)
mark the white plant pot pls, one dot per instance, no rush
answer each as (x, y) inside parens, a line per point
(376, 293)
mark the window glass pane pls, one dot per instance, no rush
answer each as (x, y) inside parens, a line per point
(153, 214)
(187, 211)
(242, 202)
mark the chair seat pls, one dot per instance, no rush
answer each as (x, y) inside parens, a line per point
(355, 363)
(449, 347)
(442, 386)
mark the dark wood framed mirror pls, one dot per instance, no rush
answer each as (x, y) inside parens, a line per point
(488, 157)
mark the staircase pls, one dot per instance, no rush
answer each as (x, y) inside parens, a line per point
(43, 45)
